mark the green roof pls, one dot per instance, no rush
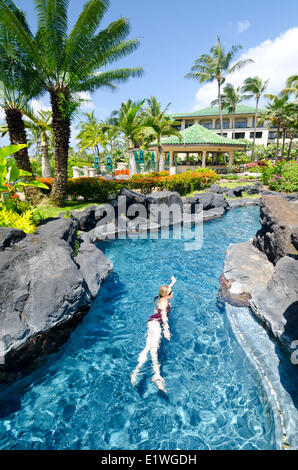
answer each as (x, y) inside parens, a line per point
(214, 111)
(197, 134)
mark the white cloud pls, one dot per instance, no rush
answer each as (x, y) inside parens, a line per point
(87, 103)
(274, 59)
(243, 26)
(38, 105)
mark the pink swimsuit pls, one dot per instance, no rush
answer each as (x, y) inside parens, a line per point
(157, 314)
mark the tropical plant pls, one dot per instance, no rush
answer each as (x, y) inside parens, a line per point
(157, 125)
(274, 113)
(67, 63)
(255, 86)
(283, 115)
(216, 66)
(19, 84)
(95, 134)
(129, 122)
(10, 174)
(39, 123)
(291, 87)
(229, 100)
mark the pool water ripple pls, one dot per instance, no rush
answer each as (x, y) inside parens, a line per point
(81, 397)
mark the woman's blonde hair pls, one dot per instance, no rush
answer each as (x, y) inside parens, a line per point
(164, 290)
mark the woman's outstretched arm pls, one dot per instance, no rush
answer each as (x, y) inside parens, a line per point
(173, 279)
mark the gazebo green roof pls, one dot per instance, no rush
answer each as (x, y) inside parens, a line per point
(214, 111)
(199, 135)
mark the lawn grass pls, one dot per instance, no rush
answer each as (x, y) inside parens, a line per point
(45, 210)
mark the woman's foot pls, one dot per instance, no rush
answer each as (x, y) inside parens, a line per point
(133, 378)
(160, 382)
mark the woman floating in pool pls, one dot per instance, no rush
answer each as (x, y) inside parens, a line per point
(154, 324)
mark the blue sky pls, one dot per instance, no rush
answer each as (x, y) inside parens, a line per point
(174, 33)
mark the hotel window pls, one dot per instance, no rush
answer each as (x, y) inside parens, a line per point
(207, 124)
(239, 135)
(258, 135)
(226, 124)
(188, 124)
(240, 123)
(272, 135)
(224, 134)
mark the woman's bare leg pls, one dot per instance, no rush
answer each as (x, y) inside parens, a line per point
(155, 338)
(141, 361)
(152, 345)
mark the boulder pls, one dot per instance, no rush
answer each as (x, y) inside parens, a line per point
(165, 207)
(279, 220)
(44, 289)
(94, 266)
(164, 197)
(9, 236)
(215, 188)
(243, 202)
(86, 218)
(213, 213)
(246, 270)
(276, 304)
(254, 189)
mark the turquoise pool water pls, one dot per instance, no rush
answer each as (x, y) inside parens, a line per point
(81, 397)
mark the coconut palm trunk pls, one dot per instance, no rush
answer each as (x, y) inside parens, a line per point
(283, 142)
(292, 135)
(61, 129)
(255, 129)
(132, 161)
(17, 135)
(277, 144)
(161, 163)
(220, 107)
(46, 169)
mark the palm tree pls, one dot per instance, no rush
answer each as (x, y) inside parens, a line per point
(216, 66)
(230, 99)
(39, 123)
(291, 87)
(158, 125)
(69, 63)
(129, 122)
(255, 86)
(292, 127)
(19, 86)
(93, 134)
(276, 111)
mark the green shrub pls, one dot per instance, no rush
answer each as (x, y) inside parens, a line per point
(231, 176)
(10, 218)
(286, 179)
(101, 190)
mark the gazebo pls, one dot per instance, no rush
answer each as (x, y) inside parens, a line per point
(197, 139)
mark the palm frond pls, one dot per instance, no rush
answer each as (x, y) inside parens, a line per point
(52, 30)
(108, 79)
(84, 29)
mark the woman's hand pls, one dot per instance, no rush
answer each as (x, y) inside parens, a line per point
(167, 334)
(173, 279)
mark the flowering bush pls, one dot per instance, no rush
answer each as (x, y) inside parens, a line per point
(269, 170)
(286, 178)
(101, 190)
(121, 172)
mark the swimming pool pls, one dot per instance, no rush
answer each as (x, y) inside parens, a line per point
(81, 397)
